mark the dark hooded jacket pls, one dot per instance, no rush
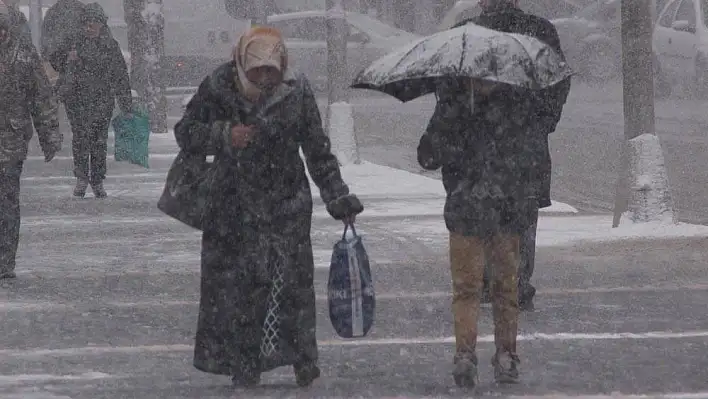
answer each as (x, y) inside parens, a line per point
(487, 167)
(26, 101)
(100, 76)
(548, 103)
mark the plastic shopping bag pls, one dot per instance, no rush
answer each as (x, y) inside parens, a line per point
(350, 288)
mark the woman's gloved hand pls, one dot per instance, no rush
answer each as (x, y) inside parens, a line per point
(345, 208)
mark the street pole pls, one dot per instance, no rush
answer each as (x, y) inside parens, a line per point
(155, 53)
(339, 120)
(642, 176)
(35, 22)
(336, 54)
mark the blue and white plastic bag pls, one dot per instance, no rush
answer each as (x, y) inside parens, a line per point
(350, 290)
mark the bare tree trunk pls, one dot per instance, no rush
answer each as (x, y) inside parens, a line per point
(155, 52)
(339, 119)
(147, 47)
(137, 39)
(643, 184)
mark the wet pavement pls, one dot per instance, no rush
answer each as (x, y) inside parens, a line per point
(105, 306)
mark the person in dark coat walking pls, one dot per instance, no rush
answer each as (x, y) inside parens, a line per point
(26, 99)
(95, 76)
(506, 16)
(257, 307)
(479, 135)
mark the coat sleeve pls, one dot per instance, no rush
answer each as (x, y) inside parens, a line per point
(550, 101)
(321, 162)
(44, 107)
(198, 131)
(120, 80)
(439, 145)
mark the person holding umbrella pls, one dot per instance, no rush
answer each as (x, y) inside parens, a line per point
(481, 136)
(506, 16)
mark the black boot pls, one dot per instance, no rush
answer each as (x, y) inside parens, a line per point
(98, 190)
(80, 189)
(465, 372)
(246, 380)
(506, 368)
(526, 295)
(7, 275)
(306, 374)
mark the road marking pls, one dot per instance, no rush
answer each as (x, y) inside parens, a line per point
(22, 379)
(104, 350)
(145, 175)
(672, 395)
(38, 306)
(169, 156)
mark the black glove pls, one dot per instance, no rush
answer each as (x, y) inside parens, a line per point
(345, 207)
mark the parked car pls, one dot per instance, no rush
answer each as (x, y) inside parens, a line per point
(592, 39)
(199, 36)
(681, 44)
(590, 33)
(306, 40)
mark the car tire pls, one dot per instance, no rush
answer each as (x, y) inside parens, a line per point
(601, 64)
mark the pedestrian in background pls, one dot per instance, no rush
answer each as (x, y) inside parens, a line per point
(26, 100)
(506, 16)
(95, 76)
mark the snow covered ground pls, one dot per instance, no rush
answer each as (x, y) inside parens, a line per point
(426, 197)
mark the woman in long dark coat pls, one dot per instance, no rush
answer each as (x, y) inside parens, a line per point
(257, 308)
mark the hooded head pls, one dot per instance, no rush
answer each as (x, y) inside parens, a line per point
(94, 19)
(494, 5)
(261, 61)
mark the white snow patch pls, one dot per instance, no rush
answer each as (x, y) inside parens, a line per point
(554, 231)
(558, 207)
(39, 378)
(187, 99)
(650, 198)
(371, 180)
(341, 132)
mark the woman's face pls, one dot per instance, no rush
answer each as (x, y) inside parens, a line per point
(93, 29)
(265, 77)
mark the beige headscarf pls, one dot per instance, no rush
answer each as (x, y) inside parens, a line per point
(260, 46)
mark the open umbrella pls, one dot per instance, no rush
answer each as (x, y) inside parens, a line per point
(469, 51)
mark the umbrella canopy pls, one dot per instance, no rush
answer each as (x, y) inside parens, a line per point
(469, 51)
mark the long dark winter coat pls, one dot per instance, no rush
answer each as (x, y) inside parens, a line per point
(548, 103)
(487, 166)
(256, 241)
